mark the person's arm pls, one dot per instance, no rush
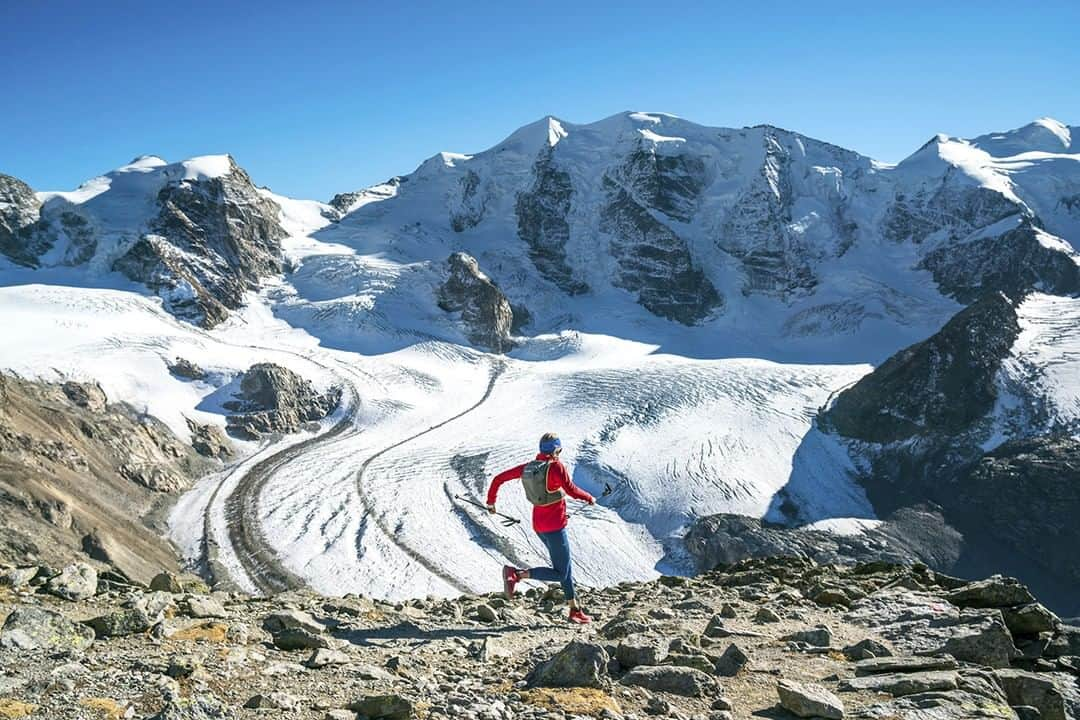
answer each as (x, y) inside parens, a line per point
(513, 473)
(562, 480)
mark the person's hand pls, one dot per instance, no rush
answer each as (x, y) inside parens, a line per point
(592, 501)
(491, 509)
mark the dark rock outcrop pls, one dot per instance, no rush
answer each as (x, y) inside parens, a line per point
(211, 241)
(274, 399)
(484, 309)
(542, 220)
(19, 211)
(654, 262)
(1013, 263)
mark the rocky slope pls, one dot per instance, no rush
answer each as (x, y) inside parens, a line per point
(942, 422)
(80, 476)
(484, 309)
(773, 638)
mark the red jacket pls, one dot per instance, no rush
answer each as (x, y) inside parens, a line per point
(546, 518)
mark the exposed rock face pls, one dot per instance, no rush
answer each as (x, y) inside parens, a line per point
(542, 221)
(484, 309)
(468, 207)
(948, 205)
(274, 399)
(654, 262)
(920, 421)
(939, 386)
(19, 211)
(212, 240)
(210, 441)
(756, 232)
(77, 474)
(670, 184)
(1013, 262)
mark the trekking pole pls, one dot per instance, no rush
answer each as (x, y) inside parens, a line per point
(607, 491)
(506, 521)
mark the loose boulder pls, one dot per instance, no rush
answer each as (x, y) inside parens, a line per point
(676, 679)
(579, 664)
(31, 628)
(993, 592)
(77, 581)
(808, 701)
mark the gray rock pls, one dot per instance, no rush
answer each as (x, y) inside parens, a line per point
(579, 664)
(980, 638)
(993, 592)
(624, 624)
(167, 582)
(904, 663)
(715, 628)
(1029, 619)
(906, 683)
(183, 666)
(193, 707)
(371, 672)
(487, 614)
(732, 661)
(32, 628)
(1034, 689)
(17, 578)
(674, 679)
(1066, 641)
(637, 650)
(808, 700)
(766, 615)
(120, 623)
(292, 620)
(866, 649)
(820, 636)
(274, 701)
(383, 707)
(323, 657)
(295, 638)
(210, 440)
(202, 606)
(77, 581)
(727, 610)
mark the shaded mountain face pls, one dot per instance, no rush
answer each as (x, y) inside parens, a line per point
(958, 421)
(196, 233)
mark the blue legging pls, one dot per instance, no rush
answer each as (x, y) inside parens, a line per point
(558, 545)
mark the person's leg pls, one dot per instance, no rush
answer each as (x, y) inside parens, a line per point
(560, 560)
(544, 574)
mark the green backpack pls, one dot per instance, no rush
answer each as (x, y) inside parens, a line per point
(534, 480)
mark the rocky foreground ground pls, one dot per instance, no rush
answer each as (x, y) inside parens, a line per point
(771, 638)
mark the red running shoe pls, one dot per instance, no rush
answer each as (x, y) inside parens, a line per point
(579, 617)
(510, 580)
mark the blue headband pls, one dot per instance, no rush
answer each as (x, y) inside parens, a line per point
(550, 446)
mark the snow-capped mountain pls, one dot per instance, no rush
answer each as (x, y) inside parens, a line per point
(678, 301)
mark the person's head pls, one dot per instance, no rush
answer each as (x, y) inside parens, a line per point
(550, 444)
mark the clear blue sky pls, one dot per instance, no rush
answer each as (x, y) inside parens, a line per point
(319, 100)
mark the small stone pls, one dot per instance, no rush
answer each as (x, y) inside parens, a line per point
(372, 672)
(16, 578)
(292, 619)
(183, 666)
(120, 623)
(323, 657)
(820, 636)
(383, 707)
(727, 610)
(339, 715)
(487, 613)
(204, 606)
(722, 703)
(167, 582)
(274, 700)
(766, 615)
(732, 661)
(865, 650)
(808, 700)
(299, 639)
(715, 628)
(904, 664)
